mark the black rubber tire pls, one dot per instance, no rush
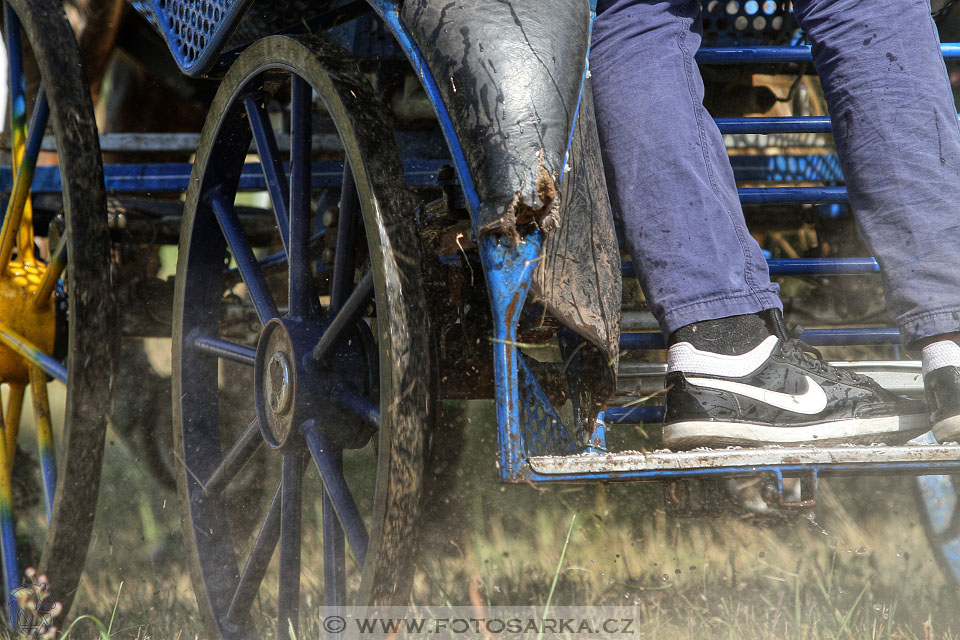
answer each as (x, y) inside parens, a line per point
(92, 339)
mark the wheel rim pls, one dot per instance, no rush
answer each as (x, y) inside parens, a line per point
(39, 45)
(320, 376)
(940, 498)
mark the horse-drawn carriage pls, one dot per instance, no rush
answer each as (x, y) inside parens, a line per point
(389, 204)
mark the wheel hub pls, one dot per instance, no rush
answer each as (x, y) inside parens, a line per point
(292, 388)
(18, 290)
(278, 384)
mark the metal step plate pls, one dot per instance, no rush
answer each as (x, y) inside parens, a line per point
(845, 457)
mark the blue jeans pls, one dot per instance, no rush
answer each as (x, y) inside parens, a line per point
(897, 136)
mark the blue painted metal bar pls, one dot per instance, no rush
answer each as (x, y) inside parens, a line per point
(258, 561)
(803, 267)
(633, 415)
(334, 564)
(288, 590)
(795, 124)
(357, 403)
(157, 178)
(175, 177)
(8, 540)
(298, 248)
(348, 227)
(845, 337)
(823, 266)
(819, 337)
(226, 349)
(280, 257)
(31, 353)
(790, 124)
(334, 561)
(270, 162)
(509, 270)
(20, 187)
(239, 453)
(792, 195)
(799, 54)
(243, 254)
(325, 457)
(15, 78)
(45, 443)
(346, 318)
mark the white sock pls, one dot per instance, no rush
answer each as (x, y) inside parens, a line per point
(936, 355)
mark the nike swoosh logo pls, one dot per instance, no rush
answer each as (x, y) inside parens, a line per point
(810, 402)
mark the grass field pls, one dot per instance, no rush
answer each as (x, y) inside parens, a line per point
(856, 566)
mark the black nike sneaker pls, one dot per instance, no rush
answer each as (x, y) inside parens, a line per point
(941, 383)
(779, 393)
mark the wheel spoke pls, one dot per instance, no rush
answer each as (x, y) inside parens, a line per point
(32, 354)
(301, 130)
(346, 318)
(8, 543)
(48, 457)
(258, 561)
(334, 558)
(358, 403)
(278, 259)
(344, 262)
(18, 210)
(18, 129)
(12, 421)
(335, 485)
(226, 349)
(288, 603)
(55, 267)
(270, 162)
(11, 569)
(238, 455)
(243, 254)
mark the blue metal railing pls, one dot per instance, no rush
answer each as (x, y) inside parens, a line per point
(803, 267)
(797, 54)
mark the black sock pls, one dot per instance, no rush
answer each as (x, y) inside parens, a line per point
(730, 336)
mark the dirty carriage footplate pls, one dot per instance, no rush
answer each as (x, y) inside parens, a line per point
(662, 464)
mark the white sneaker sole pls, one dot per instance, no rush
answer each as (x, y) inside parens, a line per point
(705, 433)
(947, 430)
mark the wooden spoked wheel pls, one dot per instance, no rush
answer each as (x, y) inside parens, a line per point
(339, 383)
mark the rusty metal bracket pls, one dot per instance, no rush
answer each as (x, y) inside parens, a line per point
(807, 490)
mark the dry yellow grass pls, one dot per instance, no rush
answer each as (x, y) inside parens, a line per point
(857, 566)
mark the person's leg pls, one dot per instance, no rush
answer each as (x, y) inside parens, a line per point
(667, 167)
(897, 135)
(735, 377)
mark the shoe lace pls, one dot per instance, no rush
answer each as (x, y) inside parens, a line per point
(811, 357)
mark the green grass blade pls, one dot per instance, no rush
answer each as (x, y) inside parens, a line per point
(556, 574)
(101, 628)
(849, 615)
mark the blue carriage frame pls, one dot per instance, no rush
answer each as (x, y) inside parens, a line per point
(522, 407)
